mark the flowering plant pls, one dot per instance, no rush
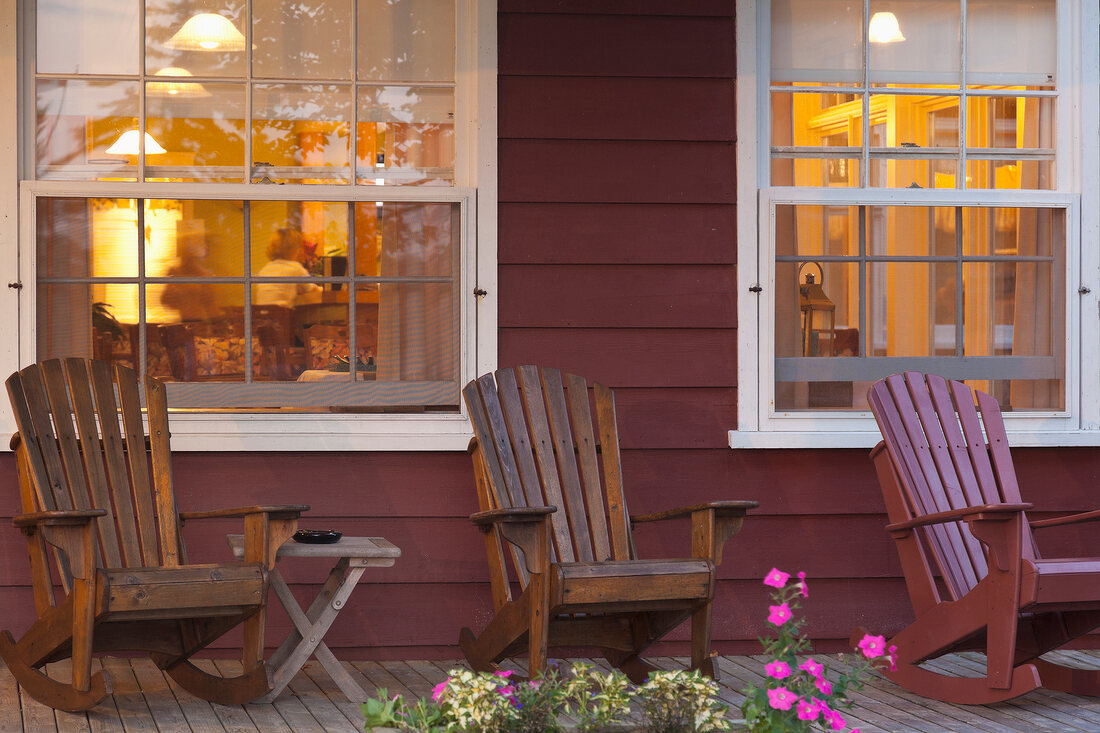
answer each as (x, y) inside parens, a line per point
(597, 700)
(681, 702)
(494, 704)
(800, 696)
(671, 702)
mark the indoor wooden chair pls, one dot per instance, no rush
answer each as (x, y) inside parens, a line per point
(537, 458)
(955, 512)
(87, 492)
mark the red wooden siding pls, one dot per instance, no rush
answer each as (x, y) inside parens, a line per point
(617, 262)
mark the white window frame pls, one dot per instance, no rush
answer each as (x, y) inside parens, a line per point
(759, 425)
(475, 191)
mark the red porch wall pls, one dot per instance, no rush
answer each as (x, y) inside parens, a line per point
(617, 261)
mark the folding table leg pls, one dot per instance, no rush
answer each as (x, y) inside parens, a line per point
(310, 628)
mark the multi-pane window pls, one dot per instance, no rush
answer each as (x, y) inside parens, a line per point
(271, 196)
(917, 214)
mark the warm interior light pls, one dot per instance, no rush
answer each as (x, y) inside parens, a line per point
(175, 88)
(127, 144)
(207, 32)
(884, 28)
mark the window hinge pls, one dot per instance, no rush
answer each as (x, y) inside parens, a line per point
(478, 292)
(755, 288)
(16, 285)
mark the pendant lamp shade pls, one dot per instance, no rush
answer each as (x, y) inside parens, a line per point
(127, 144)
(207, 32)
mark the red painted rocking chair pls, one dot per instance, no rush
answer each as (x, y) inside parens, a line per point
(955, 511)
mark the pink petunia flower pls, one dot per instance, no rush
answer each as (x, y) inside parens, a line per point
(777, 669)
(438, 689)
(835, 720)
(824, 686)
(781, 698)
(802, 582)
(776, 578)
(503, 673)
(808, 710)
(779, 615)
(872, 646)
(812, 667)
(893, 652)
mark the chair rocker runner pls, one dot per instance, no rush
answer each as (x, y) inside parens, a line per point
(955, 510)
(86, 490)
(537, 465)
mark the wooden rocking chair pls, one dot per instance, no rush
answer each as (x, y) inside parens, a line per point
(955, 510)
(583, 584)
(86, 490)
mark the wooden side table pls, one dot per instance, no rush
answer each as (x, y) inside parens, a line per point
(353, 556)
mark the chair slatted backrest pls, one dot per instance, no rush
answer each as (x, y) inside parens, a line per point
(534, 427)
(82, 434)
(933, 430)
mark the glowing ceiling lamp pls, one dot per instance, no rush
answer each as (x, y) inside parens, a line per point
(207, 32)
(884, 28)
(127, 144)
(175, 88)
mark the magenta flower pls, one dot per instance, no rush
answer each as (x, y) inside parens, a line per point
(777, 669)
(503, 673)
(824, 686)
(834, 719)
(893, 651)
(812, 667)
(781, 698)
(438, 689)
(802, 582)
(808, 710)
(872, 646)
(779, 615)
(776, 578)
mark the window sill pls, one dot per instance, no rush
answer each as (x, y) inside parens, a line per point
(319, 432)
(744, 439)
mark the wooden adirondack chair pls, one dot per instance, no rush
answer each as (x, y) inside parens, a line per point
(955, 511)
(537, 464)
(86, 490)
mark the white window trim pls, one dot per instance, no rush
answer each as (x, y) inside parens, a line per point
(476, 86)
(758, 425)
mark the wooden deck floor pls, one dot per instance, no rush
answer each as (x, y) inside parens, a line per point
(144, 699)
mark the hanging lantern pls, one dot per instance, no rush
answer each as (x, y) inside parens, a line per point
(818, 313)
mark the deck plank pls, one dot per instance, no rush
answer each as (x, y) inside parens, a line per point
(336, 696)
(11, 714)
(75, 722)
(132, 708)
(233, 718)
(167, 712)
(327, 714)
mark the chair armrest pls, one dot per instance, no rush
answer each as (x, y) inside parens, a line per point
(528, 528)
(712, 523)
(280, 510)
(266, 528)
(721, 509)
(1067, 519)
(75, 517)
(485, 520)
(970, 513)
